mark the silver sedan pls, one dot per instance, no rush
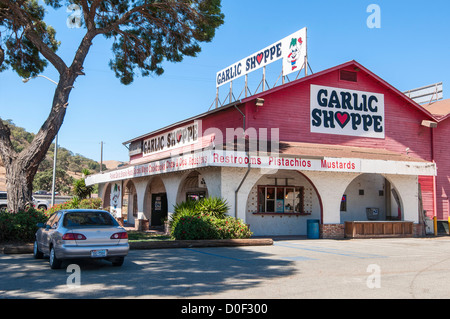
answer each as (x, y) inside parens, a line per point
(81, 233)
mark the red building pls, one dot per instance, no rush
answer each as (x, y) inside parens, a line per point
(338, 146)
(438, 188)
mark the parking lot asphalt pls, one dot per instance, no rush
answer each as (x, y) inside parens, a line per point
(406, 268)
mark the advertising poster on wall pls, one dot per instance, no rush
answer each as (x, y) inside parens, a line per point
(116, 200)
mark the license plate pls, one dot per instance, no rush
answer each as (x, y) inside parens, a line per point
(98, 253)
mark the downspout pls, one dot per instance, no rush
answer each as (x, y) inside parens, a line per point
(248, 168)
(434, 186)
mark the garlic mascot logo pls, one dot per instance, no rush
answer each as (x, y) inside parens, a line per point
(115, 198)
(294, 52)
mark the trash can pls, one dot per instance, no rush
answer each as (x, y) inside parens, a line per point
(313, 228)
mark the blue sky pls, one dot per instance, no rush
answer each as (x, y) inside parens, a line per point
(411, 49)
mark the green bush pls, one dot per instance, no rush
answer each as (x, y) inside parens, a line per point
(75, 202)
(213, 206)
(21, 226)
(91, 203)
(206, 219)
(231, 228)
(194, 227)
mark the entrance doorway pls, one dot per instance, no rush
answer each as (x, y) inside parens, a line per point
(159, 209)
(371, 197)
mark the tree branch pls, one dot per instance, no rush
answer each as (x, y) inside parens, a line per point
(6, 148)
(27, 23)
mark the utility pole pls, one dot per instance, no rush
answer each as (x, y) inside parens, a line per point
(101, 157)
(56, 142)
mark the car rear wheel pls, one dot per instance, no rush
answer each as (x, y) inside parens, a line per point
(36, 252)
(55, 263)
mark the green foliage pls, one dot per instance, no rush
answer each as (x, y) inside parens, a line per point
(20, 138)
(75, 202)
(206, 219)
(144, 33)
(81, 190)
(21, 226)
(193, 227)
(65, 161)
(213, 206)
(22, 55)
(199, 226)
(43, 180)
(90, 203)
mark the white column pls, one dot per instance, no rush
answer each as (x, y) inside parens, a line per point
(172, 185)
(330, 188)
(212, 177)
(231, 178)
(408, 190)
(141, 187)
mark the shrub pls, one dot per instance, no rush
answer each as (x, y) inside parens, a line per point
(199, 226)
(20, 226)
(231, 228)
(91, 203)
(193, 227)
(75, 202)
(206, 219)
(213, 206)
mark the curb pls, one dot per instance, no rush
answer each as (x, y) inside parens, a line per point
(200, 243)
(165, 244)
(16, 249)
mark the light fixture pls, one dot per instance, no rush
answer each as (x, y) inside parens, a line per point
(259, 102)
(430, 124)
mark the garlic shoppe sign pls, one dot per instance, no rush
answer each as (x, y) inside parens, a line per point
(178, 137)
(347, 112)
(292, 49)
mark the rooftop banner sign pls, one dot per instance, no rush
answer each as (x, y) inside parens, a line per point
(292, 49)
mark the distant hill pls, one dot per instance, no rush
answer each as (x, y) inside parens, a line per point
(113, 164)
(69, 165)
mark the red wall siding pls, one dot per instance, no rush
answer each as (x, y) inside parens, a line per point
(289, 110)
(442, 158)
(229, 118)
(426, 184)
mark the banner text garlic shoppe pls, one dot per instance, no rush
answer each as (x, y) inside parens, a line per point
(179, 137)
(346, 112)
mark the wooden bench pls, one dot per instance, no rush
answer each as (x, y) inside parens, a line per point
(378, 229)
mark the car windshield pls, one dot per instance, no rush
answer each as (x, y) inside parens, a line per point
(88, 219)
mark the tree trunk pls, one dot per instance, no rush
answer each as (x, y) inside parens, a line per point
(19, 185)
(22, 167)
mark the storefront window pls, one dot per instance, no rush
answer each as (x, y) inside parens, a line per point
(280, 199)
(196, 196)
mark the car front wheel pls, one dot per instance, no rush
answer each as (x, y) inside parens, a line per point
(55, 263)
